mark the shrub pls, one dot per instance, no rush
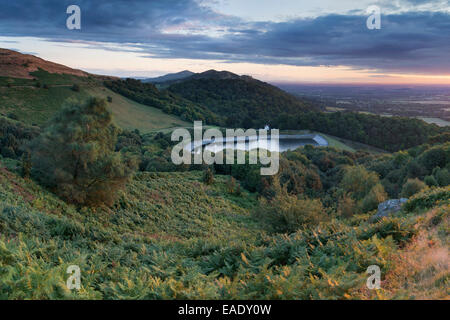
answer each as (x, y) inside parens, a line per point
(435, 157)
(13, 116)
(358, 181)
(347, 206)
(8, 152)
(411, 187)
(431, 181)
(231, 185)
(376, 196)
(76, 88)
(428, 198)
(208, 176)
(75, 157)
(110, 99)
(26, 165)
(288, 213)
(442, 177)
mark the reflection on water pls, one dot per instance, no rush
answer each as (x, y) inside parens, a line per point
(284, 143)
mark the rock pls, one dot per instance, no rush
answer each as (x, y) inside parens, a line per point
(388, 208)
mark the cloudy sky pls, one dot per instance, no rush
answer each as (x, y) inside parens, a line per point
(320, 41)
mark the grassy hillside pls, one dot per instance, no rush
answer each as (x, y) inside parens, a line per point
(130, 115)
(33, 104)
(170, 236)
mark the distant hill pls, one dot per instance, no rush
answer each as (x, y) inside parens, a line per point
(170, 77)
(241, 100)
(216, 75)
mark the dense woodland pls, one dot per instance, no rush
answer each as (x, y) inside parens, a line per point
(248, 103)
(148, 94)
(388, 133)
(244, 102)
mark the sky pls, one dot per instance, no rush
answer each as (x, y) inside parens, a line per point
(296, 41)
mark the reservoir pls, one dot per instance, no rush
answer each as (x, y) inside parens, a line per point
(285, 143)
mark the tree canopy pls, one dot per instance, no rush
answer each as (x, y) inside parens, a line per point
(74, 155)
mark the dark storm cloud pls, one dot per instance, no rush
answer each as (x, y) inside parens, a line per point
(102, 20)
(412, 42)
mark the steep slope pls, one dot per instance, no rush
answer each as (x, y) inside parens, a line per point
(17, 65)
(32, 90)
(241, 100)
(130, 115)
(172, 237)
(149, 95)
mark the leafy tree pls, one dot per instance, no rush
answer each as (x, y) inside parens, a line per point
(76, 88)
(8, 152)
(376, 196)
(74, 156)
(26, 165)
(442, 176)
(435, 157)
(12, 116)
(431, 181)
(208, 177)
(288, 213)
(347, 206)
(232, 186)
(358, 181)
(411, 187)
(440, 138)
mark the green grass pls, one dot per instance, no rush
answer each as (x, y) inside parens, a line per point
(129, 114)
(37, 105)
(436, 121)
(332, 141)
(335, 143)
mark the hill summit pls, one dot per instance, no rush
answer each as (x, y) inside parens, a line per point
(17, 65)
(216, 75)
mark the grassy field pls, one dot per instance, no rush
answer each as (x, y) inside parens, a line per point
(334, 142)
(436, 121)
(129, 114)
(34, 105)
